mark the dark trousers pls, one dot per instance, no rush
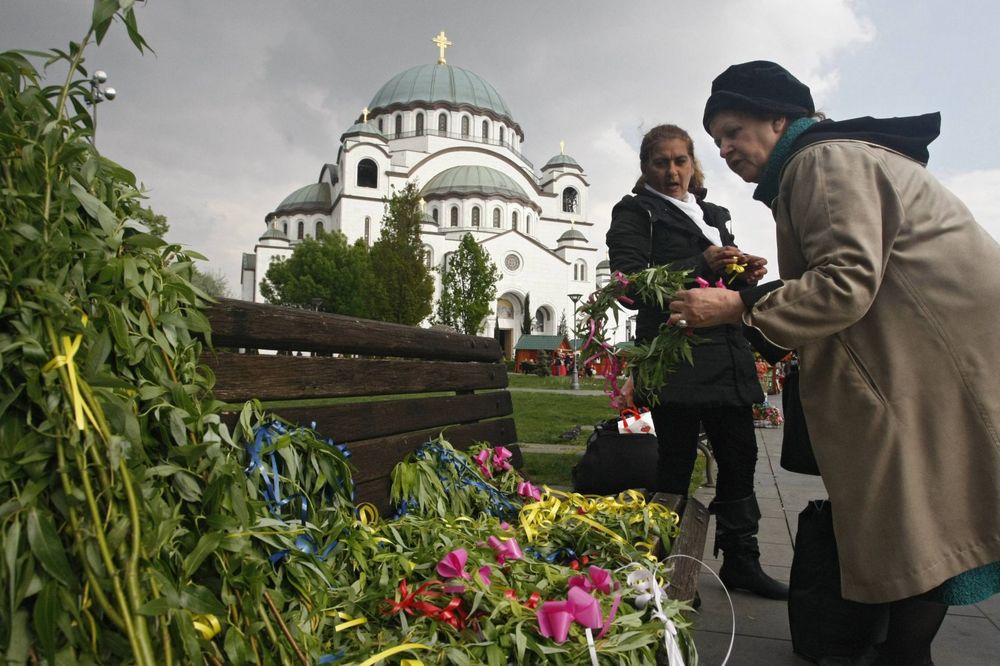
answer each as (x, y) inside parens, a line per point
(734, 444)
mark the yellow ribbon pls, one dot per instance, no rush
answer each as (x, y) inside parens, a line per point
(207, 625)
(411, 662)
(367, 513)
(395, 650)
(70, 347)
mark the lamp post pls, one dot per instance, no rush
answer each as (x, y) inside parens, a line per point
(98, 93)
(575, 385)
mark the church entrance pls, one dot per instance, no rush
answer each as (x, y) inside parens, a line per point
(506, 338)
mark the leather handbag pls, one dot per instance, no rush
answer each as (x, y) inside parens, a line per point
(796, 447)
(821, 621)
(614, 462)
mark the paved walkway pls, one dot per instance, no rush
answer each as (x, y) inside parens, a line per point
(970, 635)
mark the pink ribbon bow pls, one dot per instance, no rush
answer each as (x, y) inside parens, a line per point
(452, 565)
(481, 458)
(507, 549)
(526, 489)
(599, 579)
(501, 455)
(555, 617)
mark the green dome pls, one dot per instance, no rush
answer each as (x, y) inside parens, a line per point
(562, 160)
(274, 233)
(364, 128)
(439, 83)
(572, 235)
(313, 198)
(604, 265)
(464, 180)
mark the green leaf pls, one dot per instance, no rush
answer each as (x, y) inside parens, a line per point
(48, 549)
(207, 544)
(96, 208)
(48, 610)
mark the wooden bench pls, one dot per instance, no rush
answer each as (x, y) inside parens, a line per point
(355, 361)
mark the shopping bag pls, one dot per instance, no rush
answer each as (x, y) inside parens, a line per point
(635, 422)
(614, 462)
(796, 447)
(821, 621)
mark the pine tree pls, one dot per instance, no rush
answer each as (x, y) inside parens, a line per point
(526, 322)
(468, 287)
(563, 326)
(403, 286)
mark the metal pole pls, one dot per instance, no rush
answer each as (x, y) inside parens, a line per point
(575, 383)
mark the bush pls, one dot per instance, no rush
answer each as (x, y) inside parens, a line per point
(541, 371)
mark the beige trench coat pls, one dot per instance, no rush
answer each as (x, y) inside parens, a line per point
(892, 299)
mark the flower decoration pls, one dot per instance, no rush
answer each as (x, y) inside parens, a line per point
(453, 564)
(527, 490)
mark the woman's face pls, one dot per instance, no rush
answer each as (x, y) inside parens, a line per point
(669, 168)
(746, 142)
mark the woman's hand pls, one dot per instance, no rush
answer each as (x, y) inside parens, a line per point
(699, 308)
(626, 399)
(754, 270)
(717, 257)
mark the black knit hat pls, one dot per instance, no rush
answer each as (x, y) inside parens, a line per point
(758, 87)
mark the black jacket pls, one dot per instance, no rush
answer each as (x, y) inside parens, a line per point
(647, 230)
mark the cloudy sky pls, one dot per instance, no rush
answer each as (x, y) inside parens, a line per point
(243, 101)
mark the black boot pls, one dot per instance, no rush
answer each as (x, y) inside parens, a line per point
(736, 525)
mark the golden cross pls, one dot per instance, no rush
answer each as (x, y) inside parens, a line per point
(562, 147)
(572, 222)
(442, 43)
(364, 114)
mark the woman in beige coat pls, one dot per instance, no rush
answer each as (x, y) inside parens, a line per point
(889, 295)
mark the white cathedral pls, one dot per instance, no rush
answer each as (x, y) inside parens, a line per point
(450, 132)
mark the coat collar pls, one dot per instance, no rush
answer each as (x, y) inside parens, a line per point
(669, 214)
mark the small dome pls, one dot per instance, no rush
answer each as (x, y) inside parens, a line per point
(313, 198)
(562, 160)
(462, 180)
(440, 83)
(363, 128)
(572, 235)
(427, 219)
(604, 265)
(276, 234)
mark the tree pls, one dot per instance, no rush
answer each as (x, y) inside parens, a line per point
(213, 283)
(526, 322)
(157, 224)
(326, 274)
(403, 286)
(563, 326)
(468, 287)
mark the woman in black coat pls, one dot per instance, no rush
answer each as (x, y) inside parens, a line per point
(668, 222)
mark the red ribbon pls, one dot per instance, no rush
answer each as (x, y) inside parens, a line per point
(451, 613)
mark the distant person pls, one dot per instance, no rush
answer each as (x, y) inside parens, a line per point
(666, 221)
(883, 269)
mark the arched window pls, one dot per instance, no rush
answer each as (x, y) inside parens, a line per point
(513, 220)
(465, 126)
(420, 124)
(445, 261)
(486, 130)
(580, 271)
(539, 320)
(368, 231)
(428, 256)
(501, 135)
(527, 224)
(319, 229)
(496, 218)
(475, 216)
(570, 203)
(454, 216)
(367, 173)
(434, 214)
(443, 123)
(399, 125)
(302, 230)
(284, 228)
(380, 128)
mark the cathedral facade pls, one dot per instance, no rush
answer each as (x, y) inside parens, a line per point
(450, 132)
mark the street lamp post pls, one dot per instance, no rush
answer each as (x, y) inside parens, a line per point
(98, 93)
(575, 385)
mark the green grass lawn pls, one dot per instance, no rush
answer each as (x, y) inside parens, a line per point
(532, 381)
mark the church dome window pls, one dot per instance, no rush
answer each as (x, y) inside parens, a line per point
(367, 173)
(580, 271)
(302, 230)
(570, 200)
(496, 218)
(399, 125)
(527, 224)
(486, 130)
(380, 125)
(434, 214)
(465, 127)
(319, 229)
(443, 123)
(476, 214)
(513, 220)
(420, 124)
(284, 228)
(454, 216)
(502, 135)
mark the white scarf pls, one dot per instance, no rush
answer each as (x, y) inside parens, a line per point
(691, 208)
